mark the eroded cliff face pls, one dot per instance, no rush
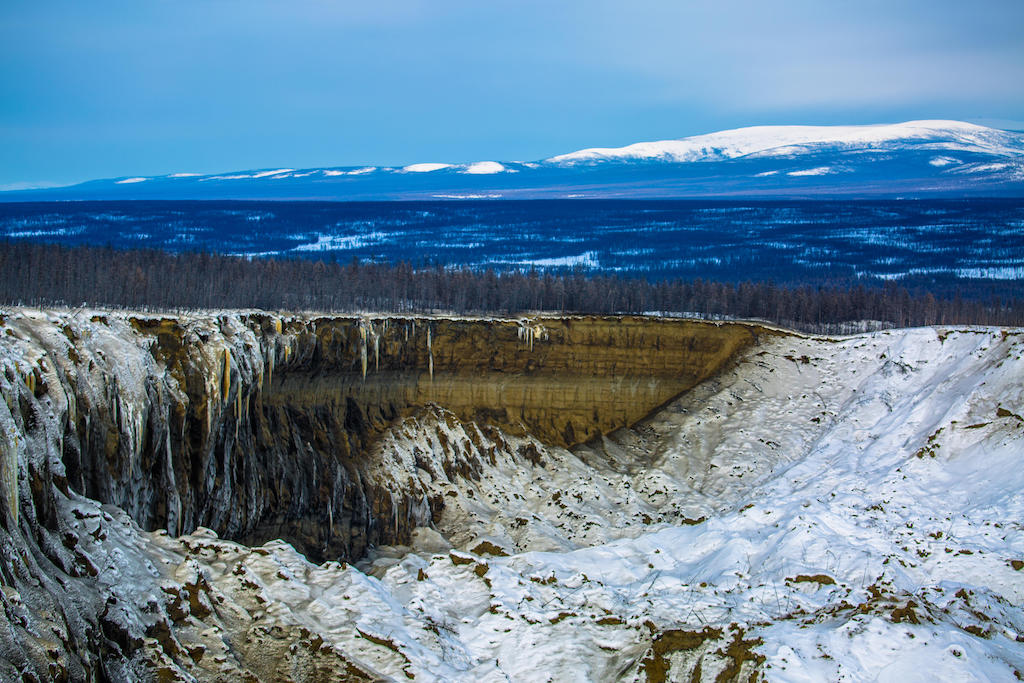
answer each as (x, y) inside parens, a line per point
(814, 487)
(564, 380)
(259, 426)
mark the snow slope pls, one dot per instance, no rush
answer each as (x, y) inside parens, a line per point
(827, 509)
(794, 140)
(927, 158)
(863, 502)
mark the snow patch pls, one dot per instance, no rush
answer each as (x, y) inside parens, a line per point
(342, 242)
(789, 140)
(358, 171)
(483, 168)
(424, 168)
(820, 170)
(129, 181)
(588, 259)
(265, 174)
(467, 196)
(235, 176)
(993, 273)
(986, 168)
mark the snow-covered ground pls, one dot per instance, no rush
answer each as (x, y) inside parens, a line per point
(791, 140)
(826, 509)
(845, 509)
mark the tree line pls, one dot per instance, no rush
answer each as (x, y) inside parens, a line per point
(48, 274)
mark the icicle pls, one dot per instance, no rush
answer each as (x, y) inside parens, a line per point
(277, 325)
(430, 354)
(226, 379)
(9, 475)
(376, 352)
(30, 382)
(238, 409)
(362, 347)
(270, 365)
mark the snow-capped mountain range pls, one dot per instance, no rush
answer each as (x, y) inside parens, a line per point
(915, 158)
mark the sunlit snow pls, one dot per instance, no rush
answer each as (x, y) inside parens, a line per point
(483, 168)
(424, 168)
(787, 140)
(279, 171)
(820, 170)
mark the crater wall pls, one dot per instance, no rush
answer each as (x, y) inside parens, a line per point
(261, 426)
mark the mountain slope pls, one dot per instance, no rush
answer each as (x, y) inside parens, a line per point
(916, 158)
(793, 141)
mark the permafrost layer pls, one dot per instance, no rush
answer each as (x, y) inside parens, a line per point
(259, 426)
(820, 509)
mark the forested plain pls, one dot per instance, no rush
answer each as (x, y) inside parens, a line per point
(35, 274)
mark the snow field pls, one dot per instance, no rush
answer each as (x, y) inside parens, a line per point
(862, 498)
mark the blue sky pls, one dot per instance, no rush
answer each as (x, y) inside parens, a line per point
(145, 87)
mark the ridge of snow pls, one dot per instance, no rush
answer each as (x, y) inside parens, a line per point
(332, 172)
(483, 168)
(756, 142)
(278, 171)
(424, 168)
(820, 170)
(788, 140)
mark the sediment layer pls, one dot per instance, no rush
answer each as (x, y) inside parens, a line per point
(259, 426)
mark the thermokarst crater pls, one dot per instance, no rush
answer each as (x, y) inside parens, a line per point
(256, 496)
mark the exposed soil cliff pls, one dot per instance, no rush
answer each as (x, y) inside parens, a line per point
(259, 426)
(865, 487)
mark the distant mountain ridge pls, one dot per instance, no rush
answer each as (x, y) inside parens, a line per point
(911, 159)
(782, 141)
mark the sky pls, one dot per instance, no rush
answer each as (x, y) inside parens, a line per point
(146, 87)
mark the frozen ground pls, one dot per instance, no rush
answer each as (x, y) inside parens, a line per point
(826, 510)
